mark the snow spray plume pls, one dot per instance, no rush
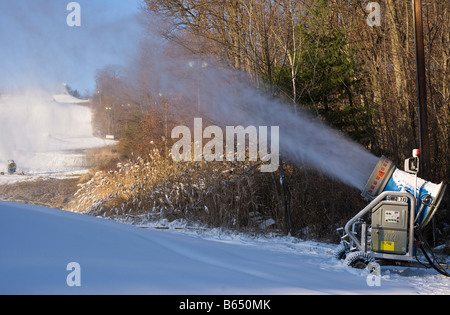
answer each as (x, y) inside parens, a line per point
(227, 98)
(39, 51)
(36, 131)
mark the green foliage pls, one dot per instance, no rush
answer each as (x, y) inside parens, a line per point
(328, 68)
(328, 82)
(132, 137)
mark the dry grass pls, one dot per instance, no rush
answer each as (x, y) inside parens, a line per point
(226, 194)
(104, 158)
(215, 193)
(53, 193)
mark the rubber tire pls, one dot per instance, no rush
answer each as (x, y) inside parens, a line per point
(340, 253)
(359, 260)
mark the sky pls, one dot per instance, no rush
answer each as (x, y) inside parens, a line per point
(38, 47)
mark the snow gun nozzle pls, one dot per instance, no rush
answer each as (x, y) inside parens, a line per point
(387, 177)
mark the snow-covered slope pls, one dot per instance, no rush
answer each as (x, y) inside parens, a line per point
(37, 244)
(44, 136)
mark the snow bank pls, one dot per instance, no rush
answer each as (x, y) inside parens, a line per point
(38, 243)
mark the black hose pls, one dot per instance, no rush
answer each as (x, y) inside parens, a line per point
(435, 265)
(433, 262)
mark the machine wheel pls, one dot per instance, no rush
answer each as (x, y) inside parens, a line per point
(359, 260)
(340, 253)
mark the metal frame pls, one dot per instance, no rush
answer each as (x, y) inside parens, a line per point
(362, 245)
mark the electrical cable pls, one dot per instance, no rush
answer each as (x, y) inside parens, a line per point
(433, 262)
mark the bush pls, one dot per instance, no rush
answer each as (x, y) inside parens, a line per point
(220, 194)
(214, 193)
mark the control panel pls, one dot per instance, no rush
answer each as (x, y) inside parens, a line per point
(390, 227)
(392, 216)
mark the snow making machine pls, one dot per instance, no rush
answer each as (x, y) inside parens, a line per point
(12, 167)
(389, 229)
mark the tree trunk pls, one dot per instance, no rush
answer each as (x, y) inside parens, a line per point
(398, 52)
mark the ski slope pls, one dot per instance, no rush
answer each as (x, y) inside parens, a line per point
(37, 244)
(45, 134)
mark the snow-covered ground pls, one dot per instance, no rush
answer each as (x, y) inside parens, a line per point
(45, 134)
(37, 244)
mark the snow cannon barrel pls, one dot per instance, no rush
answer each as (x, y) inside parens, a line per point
(386, 177)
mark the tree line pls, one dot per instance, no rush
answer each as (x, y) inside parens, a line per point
(314, 55)
(323, 55)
